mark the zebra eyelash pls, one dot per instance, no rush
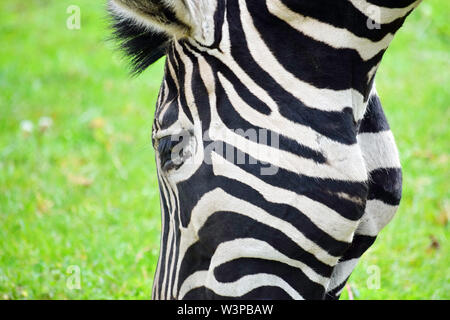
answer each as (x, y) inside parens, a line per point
(142, 46)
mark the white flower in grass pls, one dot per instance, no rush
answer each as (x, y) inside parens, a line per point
(26, 126)
(45, 123)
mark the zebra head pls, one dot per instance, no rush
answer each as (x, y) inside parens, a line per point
(276, 165)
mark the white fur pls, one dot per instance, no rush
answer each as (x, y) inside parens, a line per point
(382, 15)
(198, 15)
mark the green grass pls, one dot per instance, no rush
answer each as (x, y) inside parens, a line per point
(84, 193)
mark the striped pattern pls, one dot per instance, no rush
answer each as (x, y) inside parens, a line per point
(276, 165)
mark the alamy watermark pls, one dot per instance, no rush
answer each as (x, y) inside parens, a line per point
(374, 279)
(374, 14)
(240, 147)
(73, 22)
(73, 281)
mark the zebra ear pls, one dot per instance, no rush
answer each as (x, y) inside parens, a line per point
(144, 28)
(175, 18)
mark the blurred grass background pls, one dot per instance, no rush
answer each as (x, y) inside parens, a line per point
(84, 191)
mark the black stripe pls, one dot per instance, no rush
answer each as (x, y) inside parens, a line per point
(200, 93)
(260, 293)
(342, 14)
(243, 92)
(236, 269)
(374, 119)
(335, 293)
(386, 185)
(360, 244)
(315, 62)
(181, 72)
(392, 3)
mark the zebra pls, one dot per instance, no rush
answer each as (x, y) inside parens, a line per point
(292, 220)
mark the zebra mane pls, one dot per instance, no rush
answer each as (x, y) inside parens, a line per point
(141, 45)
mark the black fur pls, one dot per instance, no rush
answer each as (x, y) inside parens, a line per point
(142, 46)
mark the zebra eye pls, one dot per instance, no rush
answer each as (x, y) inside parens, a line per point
(173, 150)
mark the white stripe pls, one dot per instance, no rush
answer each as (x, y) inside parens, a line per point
(350, 167)
(341, 272)
(202, 17)
(382, 15)
(326, 33)
(377, 215)
(195, 280)
(238, 288)
(257, 249)
(379, 150)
